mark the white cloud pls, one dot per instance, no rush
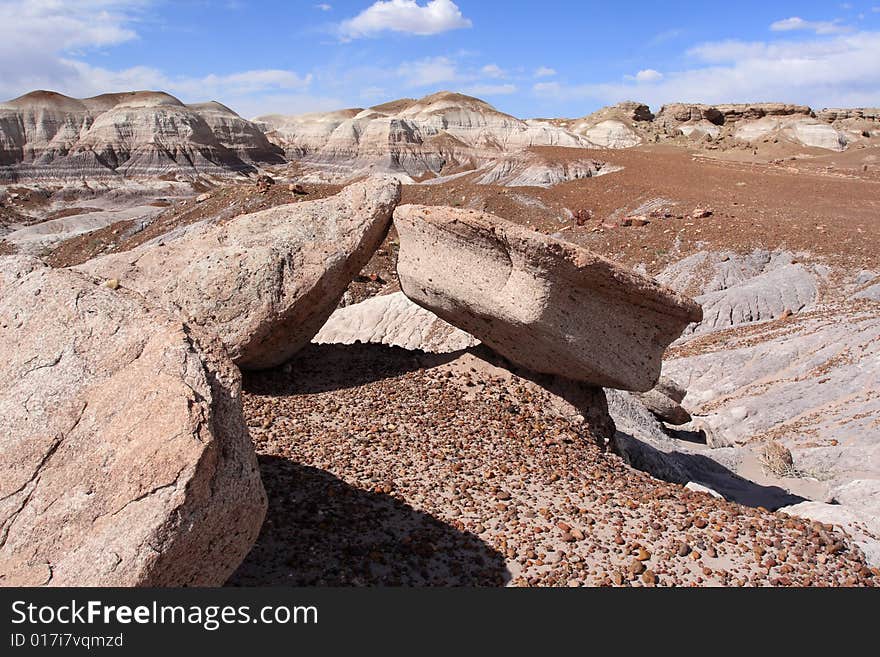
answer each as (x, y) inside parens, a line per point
(545, 72)
(238, 84)
(324, 7)
(427, 72)
(646, 75)
(41, 42)
(819, 27)
(91, 80)
(406, 16)
(837, 71)
(27, 25)
(493, 71)
(491, 90)
(38, 37)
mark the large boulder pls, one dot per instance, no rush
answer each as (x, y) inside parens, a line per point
(547, 305)
(664, 401)
(264, 282)
(124, 457)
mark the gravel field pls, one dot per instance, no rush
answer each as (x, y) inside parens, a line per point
(388, 467)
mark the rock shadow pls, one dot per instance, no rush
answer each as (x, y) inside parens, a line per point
(682, 467)
(321, 531)
(698, 437)
(327, 367)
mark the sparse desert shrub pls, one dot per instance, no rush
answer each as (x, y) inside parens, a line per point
(777, 458)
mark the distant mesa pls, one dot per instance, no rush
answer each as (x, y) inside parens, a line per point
(438, 135)
(46, 136)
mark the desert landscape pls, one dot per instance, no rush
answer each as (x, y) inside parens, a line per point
(428, 343)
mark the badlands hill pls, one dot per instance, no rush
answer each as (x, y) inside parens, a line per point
(442, 134)
(141, 134)
(729, 126)
(450, 134)
(46, 135)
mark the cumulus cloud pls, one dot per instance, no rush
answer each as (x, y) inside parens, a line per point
(545, 72)
(28, 25)
(405, 16)
(493, 71)
(92, 80)
(819, 27)
(646, 75)
(833, 71)
(42, 42)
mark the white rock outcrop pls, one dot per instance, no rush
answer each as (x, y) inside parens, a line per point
(395, 321)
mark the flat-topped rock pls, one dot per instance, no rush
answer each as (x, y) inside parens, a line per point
(547, 305)
(124, 456)
(266, 282)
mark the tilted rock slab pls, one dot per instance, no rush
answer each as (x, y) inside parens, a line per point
(124, 457)
(395, 321)
(545, 304)
(266, 282)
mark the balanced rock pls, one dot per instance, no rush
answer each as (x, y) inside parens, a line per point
(547, 305)
(264, 282)
(124, 457)
(395, 321)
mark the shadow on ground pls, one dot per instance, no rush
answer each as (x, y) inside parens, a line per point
(682, 467)
(327, 367)
(320, 531)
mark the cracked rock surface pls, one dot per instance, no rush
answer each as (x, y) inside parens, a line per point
(266, 282)
(125, 459)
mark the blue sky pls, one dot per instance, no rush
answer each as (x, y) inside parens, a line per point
(527, 58)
